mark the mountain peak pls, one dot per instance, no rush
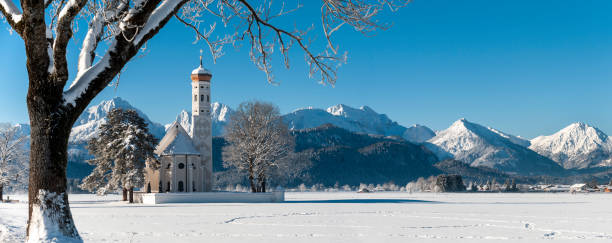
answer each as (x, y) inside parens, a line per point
(578, 145)
(339, 109)
(482, 146)
(88, 122)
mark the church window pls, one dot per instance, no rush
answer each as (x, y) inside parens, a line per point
(201, 97)
(193, 185)
(159, 187)
(202, 111)
(201, 87)
(195, 97)
(207, 98)
(180, 186)
(168, 188)
(181, 165)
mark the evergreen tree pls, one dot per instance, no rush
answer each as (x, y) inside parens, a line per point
(120, 152)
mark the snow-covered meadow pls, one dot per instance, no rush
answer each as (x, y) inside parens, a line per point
(339, 217)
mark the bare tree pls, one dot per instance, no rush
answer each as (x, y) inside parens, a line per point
(12, 156)
(47, 27)
(257, 140)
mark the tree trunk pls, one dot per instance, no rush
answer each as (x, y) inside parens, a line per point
(125, 195)
(263, 184)
(252, 177)
(49, 214)
(252, 181)
(131, 195)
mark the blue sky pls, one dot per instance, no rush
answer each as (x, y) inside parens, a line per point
(525, 67)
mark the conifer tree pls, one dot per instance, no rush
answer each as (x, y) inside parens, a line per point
(120, 152)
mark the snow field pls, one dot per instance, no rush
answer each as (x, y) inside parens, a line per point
(340, 217)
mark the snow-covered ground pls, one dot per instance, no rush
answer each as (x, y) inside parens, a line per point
(340, 217)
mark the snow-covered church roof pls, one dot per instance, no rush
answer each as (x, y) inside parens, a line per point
(176, 142)
(201, 70)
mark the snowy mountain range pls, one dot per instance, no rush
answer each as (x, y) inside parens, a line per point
(482, 146)
(362, 120)
(576, 146)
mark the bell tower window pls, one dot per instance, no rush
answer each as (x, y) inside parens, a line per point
(201, 97)
(195, 97)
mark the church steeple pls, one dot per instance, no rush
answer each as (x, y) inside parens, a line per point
(201, 125)
(201, 73)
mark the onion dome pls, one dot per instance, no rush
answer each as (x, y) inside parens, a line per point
(201, 73)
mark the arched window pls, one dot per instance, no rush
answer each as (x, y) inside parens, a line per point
(149, 187)
(195, 97)
(168, 188)
(201, 97)
(207, 98)
(160, 189)
(193, 185)
(180, 186)
(181, 166)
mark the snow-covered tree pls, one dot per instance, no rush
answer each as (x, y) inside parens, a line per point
(116, 30)
(120, 151)
(13, 158)
(258, 143)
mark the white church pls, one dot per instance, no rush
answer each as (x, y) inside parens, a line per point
(185, 161)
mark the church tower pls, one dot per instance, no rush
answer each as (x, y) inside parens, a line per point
(201, 125)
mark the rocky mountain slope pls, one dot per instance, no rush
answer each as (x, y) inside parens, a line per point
(481, 146)
(219, 114)
(576, 146)
(362, 120)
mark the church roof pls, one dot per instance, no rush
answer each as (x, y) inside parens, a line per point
(201, 71)
(176, 142)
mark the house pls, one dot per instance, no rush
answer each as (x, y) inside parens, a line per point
(579, 188)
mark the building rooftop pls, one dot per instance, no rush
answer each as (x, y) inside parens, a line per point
(176, 142)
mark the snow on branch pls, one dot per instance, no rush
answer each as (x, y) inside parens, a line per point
(11, 12)
(166, 9)
(90, 43)
(63, 33)
(84, 79)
